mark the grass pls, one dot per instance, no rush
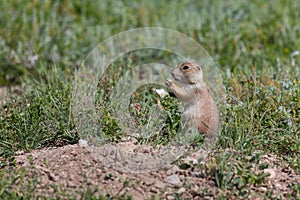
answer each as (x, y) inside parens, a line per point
(255, 45)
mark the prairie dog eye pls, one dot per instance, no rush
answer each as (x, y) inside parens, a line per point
(185, 67)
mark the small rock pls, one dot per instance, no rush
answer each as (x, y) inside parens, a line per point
(99, 172)
(173, 179)
(271, 172)
(73, 153)
(143, 149)
(72, 177)
(170, 197)
(154, 190)
(172, 170)
(287, 170)
(18, 153)
(53, 177)
(278, 185)
(92, 182)
(181, 190)
(160, 185)
(196, 174)
(83, 143)
(146, 149)
(71, 184)
(263, 189)
(148, 181)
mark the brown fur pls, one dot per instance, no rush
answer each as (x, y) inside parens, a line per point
(200, 110)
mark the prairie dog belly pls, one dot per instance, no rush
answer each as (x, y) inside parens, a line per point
(197, 115)
(191, 114)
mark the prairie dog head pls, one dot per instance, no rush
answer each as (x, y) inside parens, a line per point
(188, 73)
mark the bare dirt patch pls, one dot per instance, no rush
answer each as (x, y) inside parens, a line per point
(71, 170)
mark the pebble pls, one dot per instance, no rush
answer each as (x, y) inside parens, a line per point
(154, 190)
(53, 177)
(271, 172)
(71, 184)
(83, 143)
(172, 170)
(18, 153)
(181, 190)
(148, 181)
(160, 185)
(170, 197)
(263, 189)
(173, 179)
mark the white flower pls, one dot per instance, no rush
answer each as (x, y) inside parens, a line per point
(161, 92)
(33, 59)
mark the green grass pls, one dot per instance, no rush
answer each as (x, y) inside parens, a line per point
(253, 43)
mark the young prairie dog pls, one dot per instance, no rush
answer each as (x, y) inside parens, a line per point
(200, 110)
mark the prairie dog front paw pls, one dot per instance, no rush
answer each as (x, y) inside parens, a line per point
(169, 83)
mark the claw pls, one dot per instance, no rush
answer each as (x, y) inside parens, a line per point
(169, 82)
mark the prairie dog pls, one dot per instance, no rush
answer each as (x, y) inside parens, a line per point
(200, 110)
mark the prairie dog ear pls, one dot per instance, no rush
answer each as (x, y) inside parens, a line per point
(198, 67)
